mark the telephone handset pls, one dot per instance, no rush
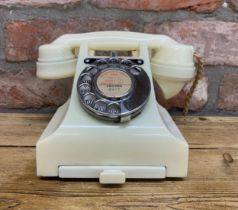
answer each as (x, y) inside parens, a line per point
(117, 89)
(171, 61)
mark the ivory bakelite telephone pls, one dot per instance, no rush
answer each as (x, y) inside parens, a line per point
(112, 128)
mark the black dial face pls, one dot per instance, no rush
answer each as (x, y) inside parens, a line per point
(113, 89)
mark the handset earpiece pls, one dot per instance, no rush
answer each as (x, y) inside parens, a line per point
(172, 66)
(56, 61)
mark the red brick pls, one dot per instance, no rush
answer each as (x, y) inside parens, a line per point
(37, 3)
(233, 4)
(23, 90)
(216, 40)
(155, 5)
(198, 100)
(228, 93)
(24, 37)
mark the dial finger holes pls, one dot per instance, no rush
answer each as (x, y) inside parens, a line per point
(88, 68)
(84, 88)
(113, 108)
(126, 62)
(100, 106)
(113, 60)
(89, 99)
(91, 70)
(101, 61)
(85, 78)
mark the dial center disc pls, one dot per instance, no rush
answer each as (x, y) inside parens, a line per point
(114, 83)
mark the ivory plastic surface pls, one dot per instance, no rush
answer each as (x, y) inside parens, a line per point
(74, 138)
(172, 61)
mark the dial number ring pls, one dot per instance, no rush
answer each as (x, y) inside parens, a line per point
(113, 89)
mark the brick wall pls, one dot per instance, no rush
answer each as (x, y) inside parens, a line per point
(209, 25)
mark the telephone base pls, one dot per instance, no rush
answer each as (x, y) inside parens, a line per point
(76, 144)
(113, 152)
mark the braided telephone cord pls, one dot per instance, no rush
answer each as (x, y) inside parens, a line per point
(199, 72)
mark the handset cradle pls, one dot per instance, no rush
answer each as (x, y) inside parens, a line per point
(82, 140)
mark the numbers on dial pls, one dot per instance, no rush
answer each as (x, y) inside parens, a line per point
(84, 88)
(85, 78)
(100, 106)
(113, 109)
(89, 99)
